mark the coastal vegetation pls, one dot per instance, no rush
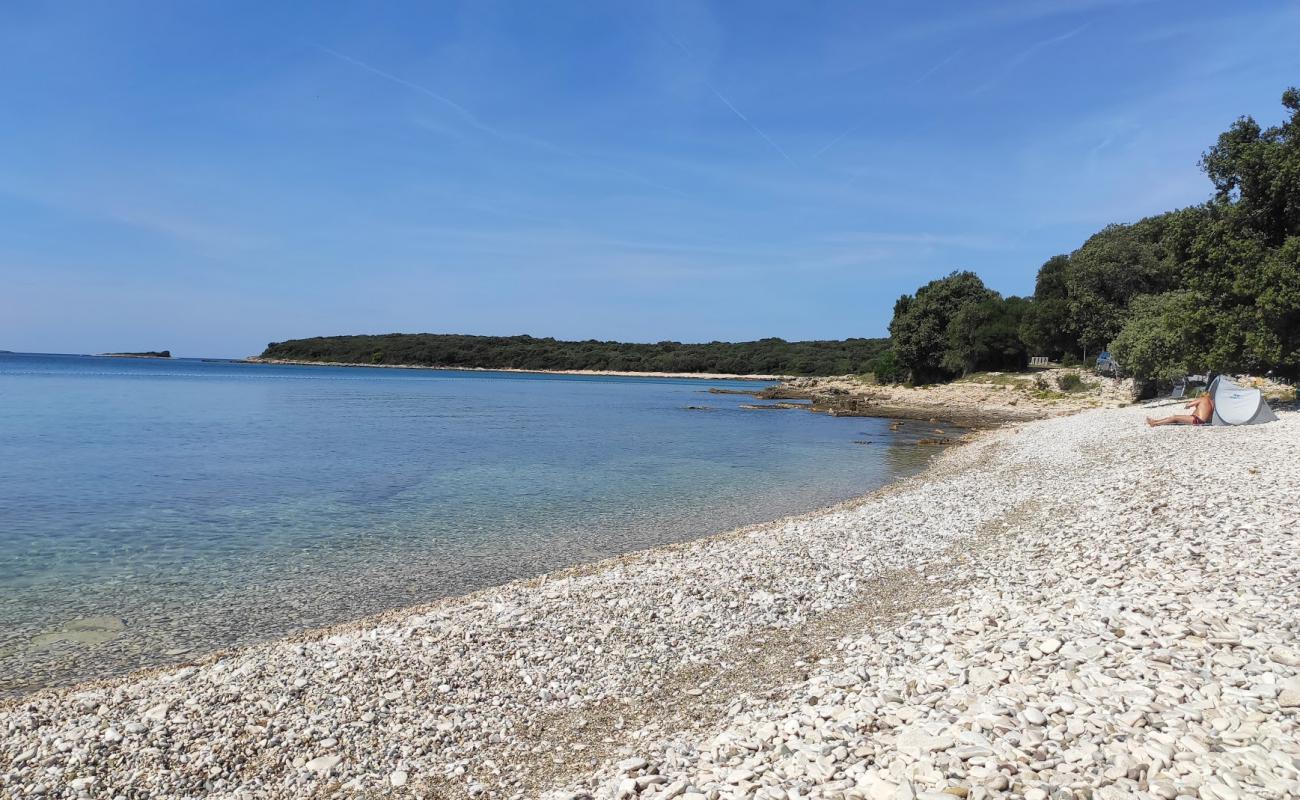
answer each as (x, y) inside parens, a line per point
(763, 357)
(1214, 287)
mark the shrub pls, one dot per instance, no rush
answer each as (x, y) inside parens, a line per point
(1069, 381)
(1165, 336)
(887, 368)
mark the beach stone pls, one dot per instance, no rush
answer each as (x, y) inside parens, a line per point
(397, 778)
(918, 743)
(875, 787)
(156, 713)
(323, 764)
(1289, 697)
(1285, 655)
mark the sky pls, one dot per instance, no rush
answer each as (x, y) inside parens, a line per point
(210, 177)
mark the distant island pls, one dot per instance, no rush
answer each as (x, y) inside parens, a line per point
(145, 354)
(455, 351)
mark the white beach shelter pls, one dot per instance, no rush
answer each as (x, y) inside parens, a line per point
(1237, 405)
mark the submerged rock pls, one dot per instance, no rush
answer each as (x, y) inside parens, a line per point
(87, 630)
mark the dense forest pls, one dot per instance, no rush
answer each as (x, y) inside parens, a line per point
(764, 357)
(1210, 287)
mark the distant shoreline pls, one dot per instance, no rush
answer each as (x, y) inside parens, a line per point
(703, 376)
(147, 354)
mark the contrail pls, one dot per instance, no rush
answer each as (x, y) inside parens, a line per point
(837, 139)
(939, 66)
(478, 124)
(1036, 46)
(464, 112)
(951, 57)
(747, 121)
(667, 34)
(1024, 55)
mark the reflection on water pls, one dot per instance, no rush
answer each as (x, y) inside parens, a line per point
(154, 510)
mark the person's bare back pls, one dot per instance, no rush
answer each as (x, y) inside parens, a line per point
(1202, 413)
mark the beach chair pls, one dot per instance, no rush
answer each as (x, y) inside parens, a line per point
(1180, 389)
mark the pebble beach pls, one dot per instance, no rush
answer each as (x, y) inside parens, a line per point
(1077, 607)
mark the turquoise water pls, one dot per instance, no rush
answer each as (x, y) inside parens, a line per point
(153, 510)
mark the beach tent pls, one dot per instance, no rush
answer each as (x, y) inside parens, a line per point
(1237, 405)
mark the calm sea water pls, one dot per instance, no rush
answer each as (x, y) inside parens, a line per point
(152, 510)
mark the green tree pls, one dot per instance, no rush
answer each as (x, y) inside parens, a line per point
(1045, 323)
(1257, 170)
(1278, 303)
(1115, 265)
(919, 329)
(1164, 336)
(986, 335)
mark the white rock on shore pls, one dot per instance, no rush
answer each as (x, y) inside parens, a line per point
(1079, 607)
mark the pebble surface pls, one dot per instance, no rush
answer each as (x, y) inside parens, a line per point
(1080, 607)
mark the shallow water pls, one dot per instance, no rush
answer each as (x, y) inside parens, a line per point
(153, 510)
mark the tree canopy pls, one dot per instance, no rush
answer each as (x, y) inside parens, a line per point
(920, 329)
(763, 357)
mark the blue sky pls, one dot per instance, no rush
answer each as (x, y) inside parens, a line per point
(211, 177)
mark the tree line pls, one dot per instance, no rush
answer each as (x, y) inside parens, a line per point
(763, 357)
(1213, 287)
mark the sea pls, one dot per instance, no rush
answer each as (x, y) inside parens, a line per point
(155, 510)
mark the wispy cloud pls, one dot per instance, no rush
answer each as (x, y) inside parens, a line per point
(1026, 54)
(918, 239)
(207, 236)
(165, 219)
(981, 17)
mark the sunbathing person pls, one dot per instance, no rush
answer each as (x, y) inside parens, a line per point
(1202, 414)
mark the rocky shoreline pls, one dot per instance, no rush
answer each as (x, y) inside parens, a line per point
(1075, 607)
(978, 402)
